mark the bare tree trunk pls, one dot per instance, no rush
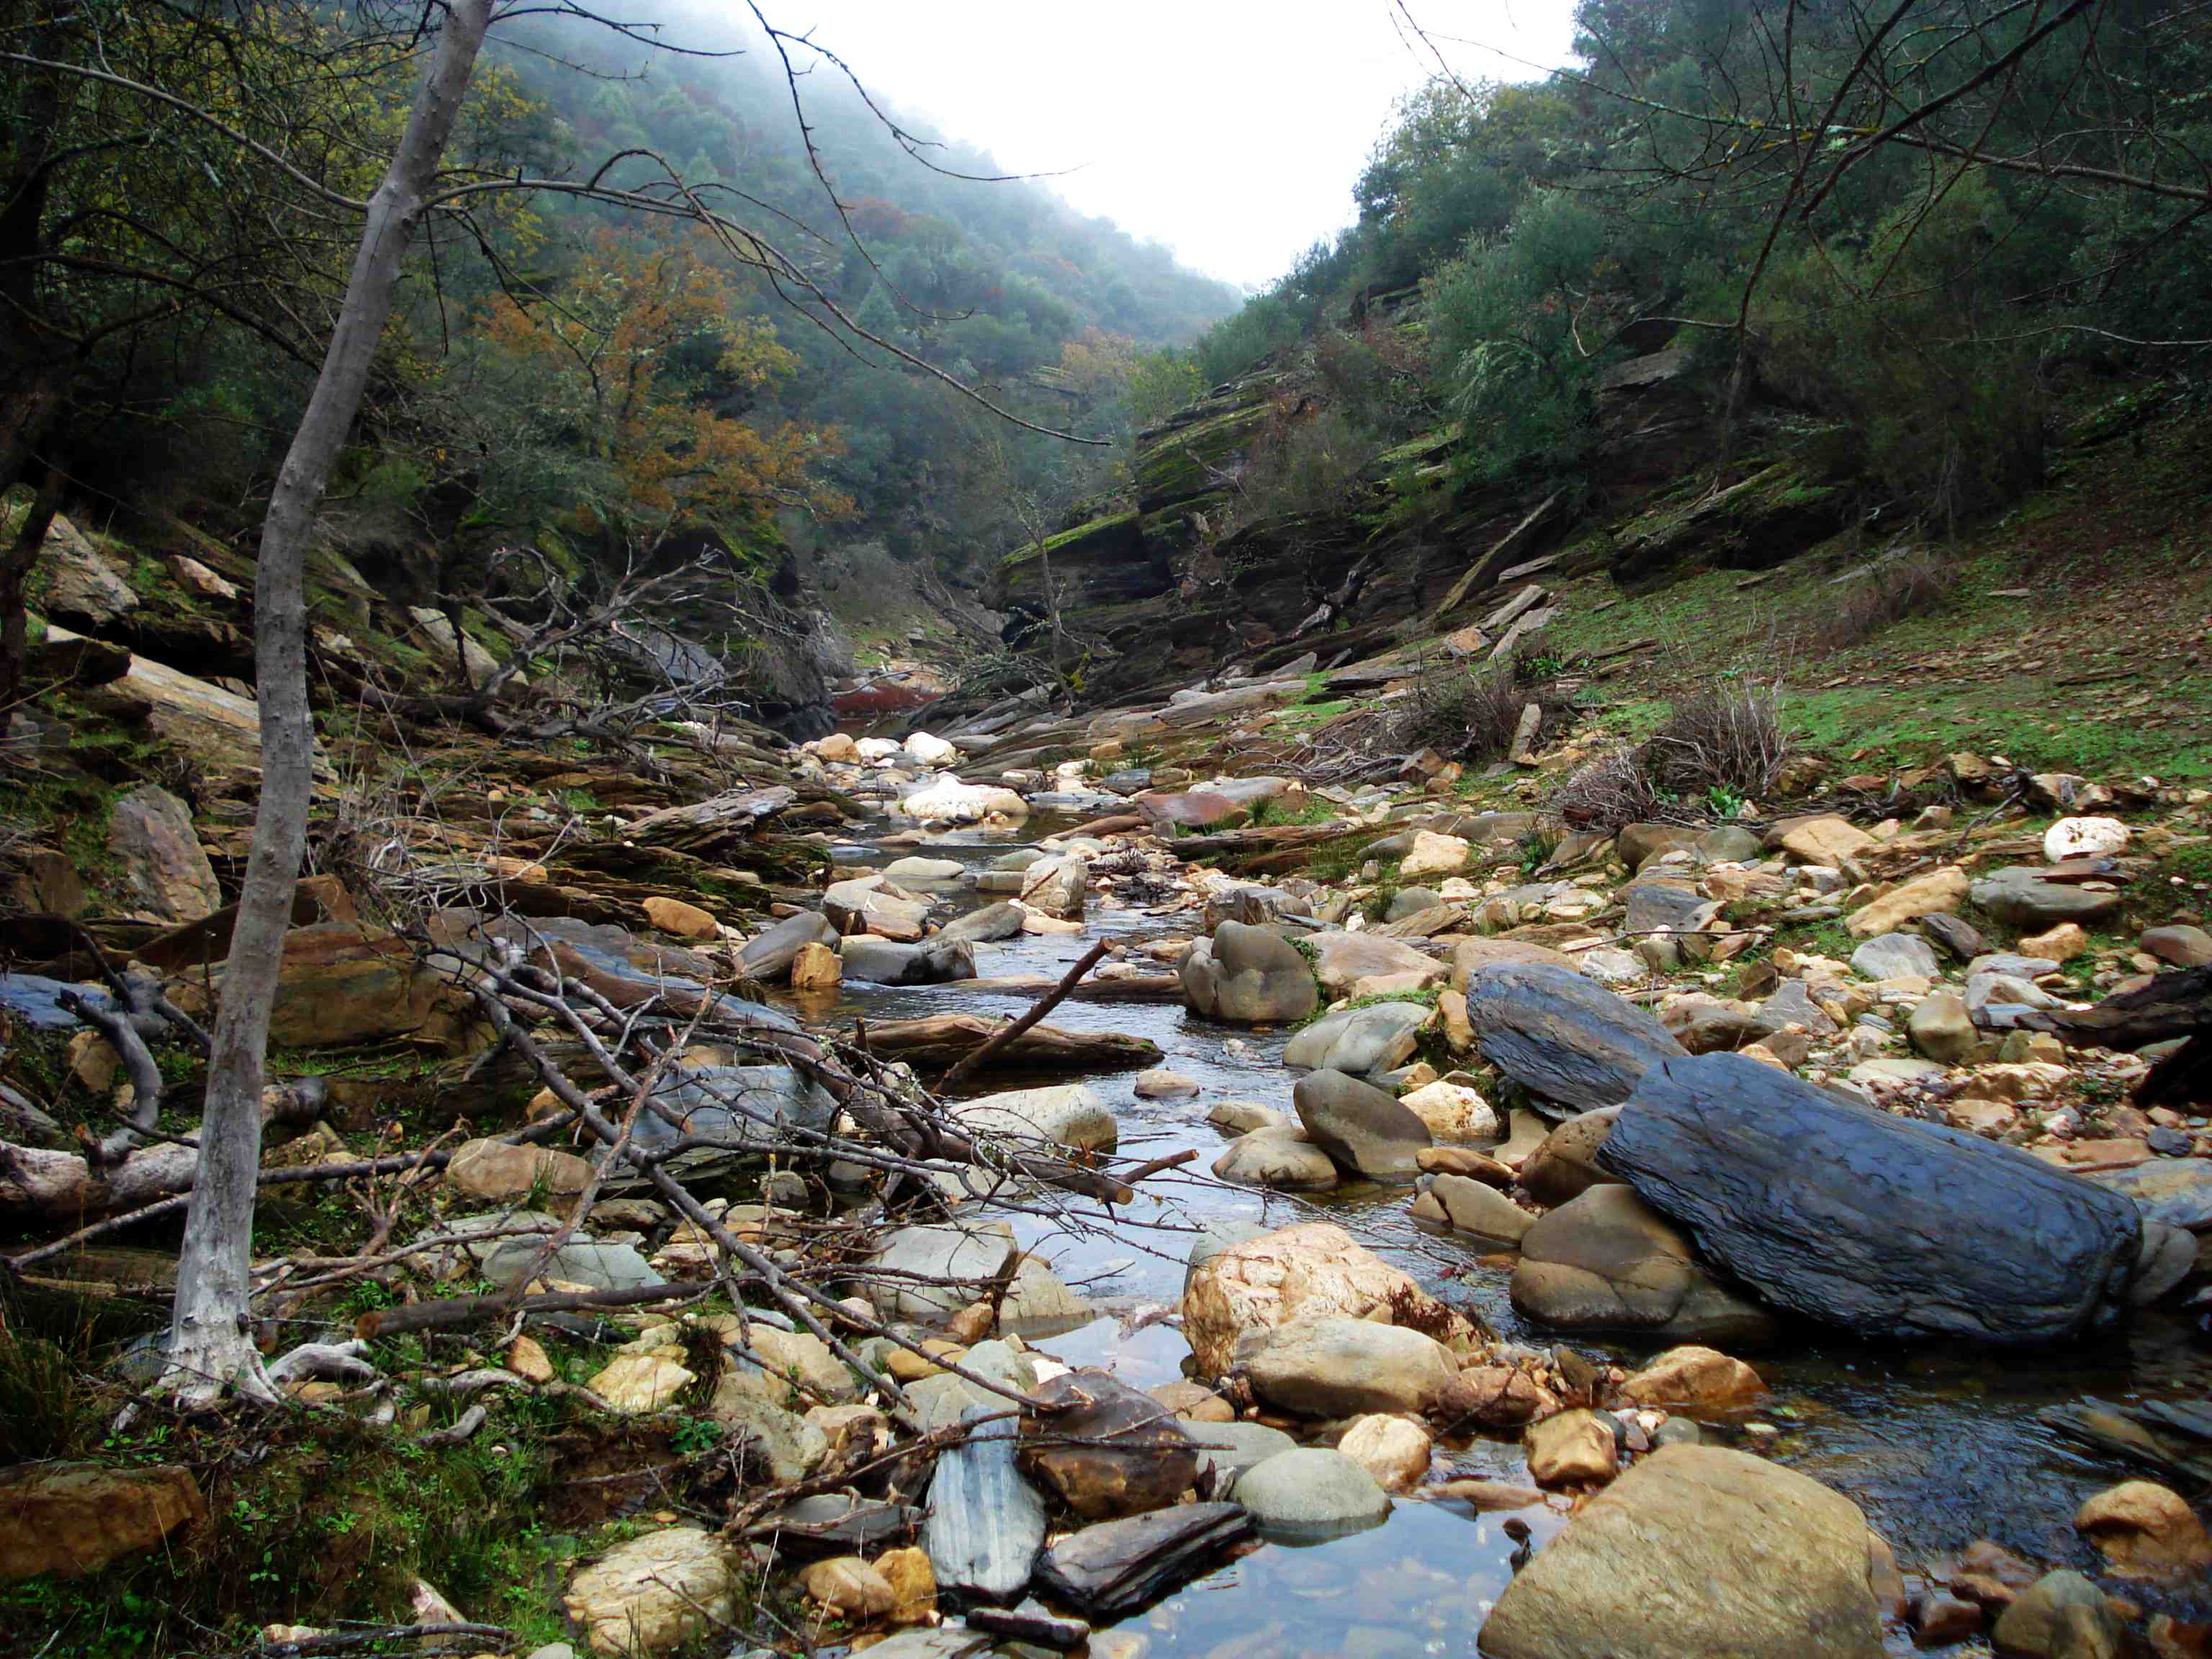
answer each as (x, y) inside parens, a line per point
(209, 1347)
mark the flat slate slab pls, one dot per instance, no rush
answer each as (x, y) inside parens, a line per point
(1565, 1039)
(1888, 1228)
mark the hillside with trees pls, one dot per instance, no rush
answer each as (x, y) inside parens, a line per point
(1920, 230)
(646, 306)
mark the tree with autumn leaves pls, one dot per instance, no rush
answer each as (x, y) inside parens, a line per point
(642, 367)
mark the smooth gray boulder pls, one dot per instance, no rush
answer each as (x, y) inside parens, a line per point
(768, 956)
(1365, 1130)
(1793, 1005)
(1571, 1043)
(2021, 899)
(987, 1525)
(1654, 901)
(1411, 902)
(913, 868)
(1229, 1448)
(1885, 1227)
(1275, 1157)
(602, 1267)
(754, 1106)
(1249, 975)
(1728, 843)
(1357, 1040)
(1059, 1114)
(1339, 1366)
(1896, 955)
(990, 924)
(875, 904)
(874, 961)
(1311, 1492)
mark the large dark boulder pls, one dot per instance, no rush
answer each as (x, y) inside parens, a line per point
(1884, 1226)
(1568, 1041)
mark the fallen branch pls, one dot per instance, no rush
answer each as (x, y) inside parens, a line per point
(1043, 1006)
(946, 1039)
(352, 1640)
(465, 1425)
(453, 1312)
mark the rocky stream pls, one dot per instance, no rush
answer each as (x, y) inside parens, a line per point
(1947, 1446)
(1701, 1239)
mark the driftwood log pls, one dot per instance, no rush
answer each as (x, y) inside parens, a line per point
(946, 1039)
(62, 1186)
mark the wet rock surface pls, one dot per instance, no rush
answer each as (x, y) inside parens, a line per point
(1895, 1230)
(987, 1525)
(1115, 1567)
(1572, 1043)
(1698, 1550)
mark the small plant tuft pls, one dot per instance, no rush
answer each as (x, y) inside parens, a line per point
(1728, 739)
(1913, 584)
(1464, 714)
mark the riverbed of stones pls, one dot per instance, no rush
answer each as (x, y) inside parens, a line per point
(1699, 1085)
(1586, 1060)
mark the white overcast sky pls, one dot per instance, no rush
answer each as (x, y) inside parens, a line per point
(1231, 130)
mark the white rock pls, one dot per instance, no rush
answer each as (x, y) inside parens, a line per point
(1610, 965)
(931, 750)
(1453, 1112)
(1434, 855)
(1067, 1115)
(653, 1594)
(1394, 1450)
(2081, 838)
(962, 803)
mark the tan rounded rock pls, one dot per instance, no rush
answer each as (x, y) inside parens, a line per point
(673, 916)
(2145, 1531)
(913, 1584)
(850, 1588)
(1693, 1375)
(1574, 1449)
(815, 968)
(1393, 1450)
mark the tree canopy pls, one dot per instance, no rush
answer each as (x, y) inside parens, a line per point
(1912, 220)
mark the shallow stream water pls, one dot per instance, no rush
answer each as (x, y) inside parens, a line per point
(1939, 1446)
